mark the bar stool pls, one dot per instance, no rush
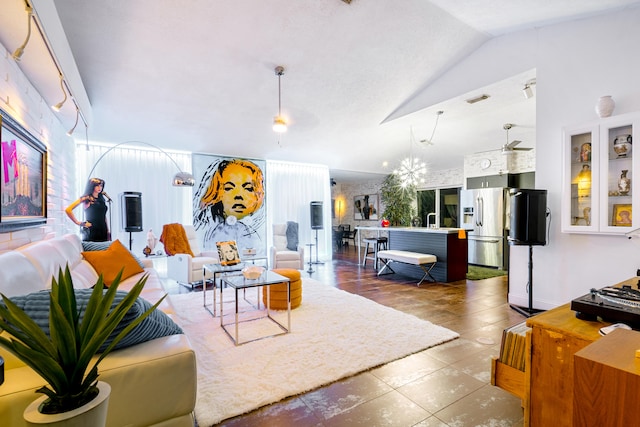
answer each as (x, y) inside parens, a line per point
(372, 246)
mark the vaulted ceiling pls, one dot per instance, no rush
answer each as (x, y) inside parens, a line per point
(362, 79)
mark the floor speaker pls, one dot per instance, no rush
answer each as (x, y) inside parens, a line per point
(528, 217)
(316, 215)
(131, 212)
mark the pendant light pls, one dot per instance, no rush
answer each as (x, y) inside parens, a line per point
(70, 131)
(59, 105)
(279, 124)
(17, 54)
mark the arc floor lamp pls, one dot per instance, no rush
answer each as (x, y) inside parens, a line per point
(180, 179)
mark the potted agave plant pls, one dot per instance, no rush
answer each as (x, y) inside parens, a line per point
(65, 357)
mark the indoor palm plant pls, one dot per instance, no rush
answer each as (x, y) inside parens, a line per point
(65, 357)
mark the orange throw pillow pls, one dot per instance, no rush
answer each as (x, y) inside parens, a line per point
(109, 262)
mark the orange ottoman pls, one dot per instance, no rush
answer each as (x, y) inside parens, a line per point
(278, 293)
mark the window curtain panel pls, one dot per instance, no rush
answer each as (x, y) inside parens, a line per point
(290, 189)
(137, 168)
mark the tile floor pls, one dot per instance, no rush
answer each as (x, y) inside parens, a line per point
(448, 385)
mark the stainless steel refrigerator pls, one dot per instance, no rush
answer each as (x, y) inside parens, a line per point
(484, 216)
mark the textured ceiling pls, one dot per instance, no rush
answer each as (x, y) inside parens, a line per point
(359, 80)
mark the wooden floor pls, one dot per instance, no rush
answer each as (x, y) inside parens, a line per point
(448, 385)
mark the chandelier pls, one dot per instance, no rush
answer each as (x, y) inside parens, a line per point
(412, 171)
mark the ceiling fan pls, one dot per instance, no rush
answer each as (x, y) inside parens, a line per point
(510, 147)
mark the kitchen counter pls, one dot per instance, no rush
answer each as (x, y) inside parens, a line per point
(441, 230)
(444, 243)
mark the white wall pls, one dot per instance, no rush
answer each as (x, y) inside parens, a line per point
(576, 64)
(23, 103)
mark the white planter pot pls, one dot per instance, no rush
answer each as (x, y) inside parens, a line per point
(92, 414)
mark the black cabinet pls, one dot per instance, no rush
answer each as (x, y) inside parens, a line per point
(507, 180)
(490, 181)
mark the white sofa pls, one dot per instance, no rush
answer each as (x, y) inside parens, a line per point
(152, 383)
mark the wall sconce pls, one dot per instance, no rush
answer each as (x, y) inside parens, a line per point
(17, 54)
(279, 124)
(527, 91)
(340, 209)
(180, 179)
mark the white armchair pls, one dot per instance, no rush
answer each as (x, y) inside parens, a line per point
(185, 269)
(281, 257)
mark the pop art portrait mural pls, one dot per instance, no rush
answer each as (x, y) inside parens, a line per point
(229, 202)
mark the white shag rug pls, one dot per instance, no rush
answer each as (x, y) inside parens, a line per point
(334, 334)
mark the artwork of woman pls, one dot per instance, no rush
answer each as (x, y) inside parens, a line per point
(585, 152)
(624, 218)
(94, 228)
(230, 203)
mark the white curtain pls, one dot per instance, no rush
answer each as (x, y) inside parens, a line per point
(290, 189)
(137, 167)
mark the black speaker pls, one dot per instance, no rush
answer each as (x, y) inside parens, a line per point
(528, 217)
(131, 212)
(316, 215)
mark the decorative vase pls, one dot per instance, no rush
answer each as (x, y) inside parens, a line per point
(92, 414)
(605, 106)
(624, 183)
(622, 145)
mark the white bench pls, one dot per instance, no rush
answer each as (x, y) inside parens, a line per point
(425, 261)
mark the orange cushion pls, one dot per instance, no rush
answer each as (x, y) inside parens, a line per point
(108, 263)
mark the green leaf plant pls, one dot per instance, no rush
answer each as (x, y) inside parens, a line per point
(399, 201)
(65, 358)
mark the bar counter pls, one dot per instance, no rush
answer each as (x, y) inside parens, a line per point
(444, 243)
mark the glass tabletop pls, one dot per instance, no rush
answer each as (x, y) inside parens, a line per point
(268, 277)
(219, 268)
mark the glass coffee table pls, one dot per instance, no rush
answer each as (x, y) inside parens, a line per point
(218, 270)
(239, 282)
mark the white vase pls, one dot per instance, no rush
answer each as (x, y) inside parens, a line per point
(92, 414)
(605, 106)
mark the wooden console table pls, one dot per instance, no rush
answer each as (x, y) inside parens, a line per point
(556, 335)
(547, 385)
(606, 381)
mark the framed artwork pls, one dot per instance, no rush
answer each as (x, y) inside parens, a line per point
(229, 202)
(365, 207)
(228, 253)
(622, 215)
(23, 177)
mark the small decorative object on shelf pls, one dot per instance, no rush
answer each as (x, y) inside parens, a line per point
(152, 240)
(622, 145)
(587, 215)
(585, 152)
(384, 222)
(624, 183)
(146, 251)
(622, 215)
(605, 106)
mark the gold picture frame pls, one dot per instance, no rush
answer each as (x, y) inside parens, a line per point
(228, 252)
(622, 215)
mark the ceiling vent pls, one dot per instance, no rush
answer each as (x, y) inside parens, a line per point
(477, 99)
